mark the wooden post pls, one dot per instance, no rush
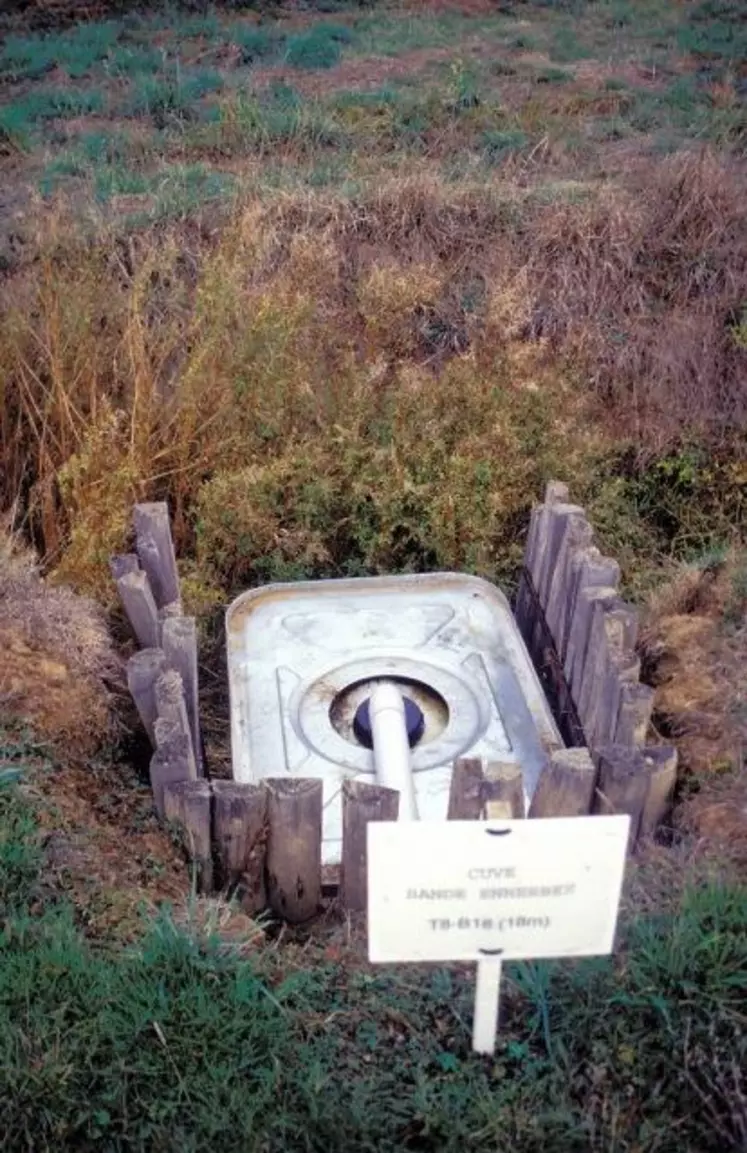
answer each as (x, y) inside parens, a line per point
(568, 530)
(616, 669)
(361, 803)
(168, 613)
(623, 785)
(503, 791)
(579, 637)
(155, 549)
(524, 606)
(466, 791)
(537, 538)
(556, 517)
(136, 595)
(171, 704)
(589, 569)
(611, 661)
(574, 544)
(120, 566)
(566, 785)
(240, 838)
(187, 804)
(661, 766)
(294, 862)
(180, 647)
(173, 759)
(612, 630)
(633, 715)
(143, 670)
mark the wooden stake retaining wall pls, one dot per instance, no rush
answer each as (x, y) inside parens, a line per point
(262, 842)
(582, 636)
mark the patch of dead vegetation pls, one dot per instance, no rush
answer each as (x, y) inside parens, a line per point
(58, 667)
(360, 74)
(695, 646)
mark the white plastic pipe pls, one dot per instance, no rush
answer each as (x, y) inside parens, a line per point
(391, 748)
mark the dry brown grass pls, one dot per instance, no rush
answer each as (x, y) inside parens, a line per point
(695, 646)
(648, 283)
(694, 661)
(57, 663)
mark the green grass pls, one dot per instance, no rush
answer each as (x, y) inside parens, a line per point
(553, 76)
(321, 47)
(498, 144)
(132, 60)
(20, 118)
(179, 1044)
(716, 32)
(277, 118)
(256, 43)
(76, 52)
(173, 95)
(566, 46)
(387, 35)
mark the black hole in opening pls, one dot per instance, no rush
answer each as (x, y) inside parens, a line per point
(414, 722)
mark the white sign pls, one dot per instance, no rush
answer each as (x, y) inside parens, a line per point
(466, 890)
(489, 891)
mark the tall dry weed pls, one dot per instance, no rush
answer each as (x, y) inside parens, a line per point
(414, 341)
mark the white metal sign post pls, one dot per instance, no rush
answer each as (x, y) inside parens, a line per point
(491, 891)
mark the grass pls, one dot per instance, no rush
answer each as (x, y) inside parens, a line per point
(319, 48)
(180, 1041)
(19, 119)
(498, 144)
(257, 43)
(76, 52)
(173, 95)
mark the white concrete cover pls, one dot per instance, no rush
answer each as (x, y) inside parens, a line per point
(450, 640)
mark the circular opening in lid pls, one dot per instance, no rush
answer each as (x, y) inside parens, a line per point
(426, 711)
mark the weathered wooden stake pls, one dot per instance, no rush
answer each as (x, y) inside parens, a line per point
(534, 552)
(568, 530)
(623, 786)
(566, 785)
(294, 849)
(168, 613)
(503, 790)
(143, 670)
(172, 706)
(466, 791)
(240, 838)
(589, 569)
(188, 804)
(612, 624)
(155, 549)
(661, 767)
(173, 759)
(180, 647)
(361, 803)
(633, 715)
(580, 647)
(120, 566)
(614, 669)
(137, 598)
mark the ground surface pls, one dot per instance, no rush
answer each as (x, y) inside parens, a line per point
(347, 288)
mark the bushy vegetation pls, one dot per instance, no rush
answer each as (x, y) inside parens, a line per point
(312, 407)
